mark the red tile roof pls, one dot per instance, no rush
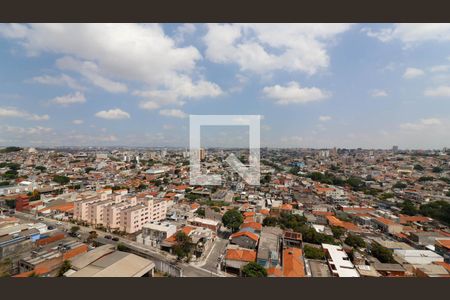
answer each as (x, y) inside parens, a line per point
(241, 255)
(245, 233)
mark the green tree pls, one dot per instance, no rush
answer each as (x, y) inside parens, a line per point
(183, 247)
(399, 185)
(439, 210)
(253, 269)
(383, 254)
(337, 231)
(233, 219)
(41, 168)
(201, 211)
(408, 208)
(270, 221)
(64, 268)
(122, 247)
(355, 241)
(62, 180)
(437, 170)
(74, 229)
(313, 252)
(418, 167)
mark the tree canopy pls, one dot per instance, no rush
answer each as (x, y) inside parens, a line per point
(232, 219)
(253, 269)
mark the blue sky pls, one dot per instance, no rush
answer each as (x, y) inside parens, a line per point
(316, 85)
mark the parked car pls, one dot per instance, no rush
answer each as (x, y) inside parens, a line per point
(115, 239)
(108, 237)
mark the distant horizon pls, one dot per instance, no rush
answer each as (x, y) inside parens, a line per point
(221, 148)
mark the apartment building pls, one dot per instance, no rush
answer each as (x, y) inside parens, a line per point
(147, 210)
(119, 211)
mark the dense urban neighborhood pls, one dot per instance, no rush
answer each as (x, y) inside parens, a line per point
(118, 212)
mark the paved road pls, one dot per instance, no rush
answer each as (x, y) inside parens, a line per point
(212, 260)
(188, 269)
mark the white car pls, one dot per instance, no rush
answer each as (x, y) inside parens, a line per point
(58, 223)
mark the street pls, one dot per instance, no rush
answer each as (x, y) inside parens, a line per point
(189, 270)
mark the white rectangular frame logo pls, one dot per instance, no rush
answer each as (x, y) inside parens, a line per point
(250, 174)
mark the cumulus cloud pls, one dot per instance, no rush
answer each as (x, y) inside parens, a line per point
(113, 114)
(263, 48)
(77, 122)
(324, 118)
(378, 93)
(293, 93)
(421, 124)
(108, 55)
(13, 112)
(38, 130)
(62, 80)
(411, 34)
(440, 68)
(440, 91)
(69, 99)
(411, 73)
(176, 113)
(92, 72)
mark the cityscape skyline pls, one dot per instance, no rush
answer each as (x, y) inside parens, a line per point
(367, 86)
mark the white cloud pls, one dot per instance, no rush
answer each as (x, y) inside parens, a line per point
(411, 73)
(262, 48)
(62, 80)
(13, 112)
(184, 30)
(149, 105)
(113, 114)
(440, 68)
(411, 34)
(92, 72)
(176, 113)
(23, 131)
(378, 93)
(77, 122)
(110, 54)
(181, 88)
(324, 118)
(69, 99)
(440, 91)
(422, 124)
(293, 93)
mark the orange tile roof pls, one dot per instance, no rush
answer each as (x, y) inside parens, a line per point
(181, 187)
(247, 234)
(195, 205)
(445, 243)
(186, 230)
(333, 221)
(385, 221)
(264, 211)
(254, 225)
(293, 265)
(62, 207)
(248, 214)
(275, 272)
(37, 271)
(241, 255)
(322, 213)
(286, 206)
(406, 219)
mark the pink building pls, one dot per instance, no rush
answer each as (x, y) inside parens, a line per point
(119, 211)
